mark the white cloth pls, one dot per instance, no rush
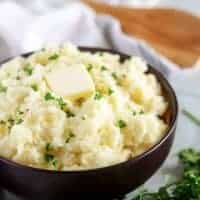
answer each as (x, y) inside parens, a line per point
(22, 31)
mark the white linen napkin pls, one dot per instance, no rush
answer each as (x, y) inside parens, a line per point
(22, 31)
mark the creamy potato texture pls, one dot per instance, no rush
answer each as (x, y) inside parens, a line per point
(116, 117)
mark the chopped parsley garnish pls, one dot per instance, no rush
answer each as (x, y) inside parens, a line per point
(3, 88)
(114, 75)
(11, 122)
(98, 96)
(110, 91)
(121, 124)
(48, 157)
(103, 68)
(48, 147)
(83, 117)
(100, 53)
(19, 112)
(48, 97)
(61, 102)
(2, 122)
(54, 57)
(69, 113)
(18, 78)
(54, 163)
(19, 121)
(34, 87)
(141, 112)
(187, 187)
(70, 136)
(89, 67)
(134, 113)
(28, 69)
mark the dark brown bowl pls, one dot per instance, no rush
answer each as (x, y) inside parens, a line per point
(103, 183)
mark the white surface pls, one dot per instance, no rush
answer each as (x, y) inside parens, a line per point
(23, 31)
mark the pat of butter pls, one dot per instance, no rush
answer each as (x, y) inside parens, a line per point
(72, 82)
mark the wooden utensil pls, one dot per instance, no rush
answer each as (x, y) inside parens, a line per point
(173, 33)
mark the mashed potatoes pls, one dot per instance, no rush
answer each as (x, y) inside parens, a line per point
(118, 118)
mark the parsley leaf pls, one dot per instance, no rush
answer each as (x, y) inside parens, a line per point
(53, 57)
(121, 123)
(103, 68)
(48, 157)
(110, 91)
(48, 147)
(69, 114)
(70, 136)
(19, 121)
(48, 96)
(98, 96)
(28, 69)
(186, 187)
(89, 68)
(141, 112)
(34, 87)
(59, 100)
(3, 88)
(114, 75)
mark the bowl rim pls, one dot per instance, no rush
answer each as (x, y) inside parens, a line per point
(169, 131)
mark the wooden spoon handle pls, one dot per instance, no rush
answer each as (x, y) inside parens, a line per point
(173, 33)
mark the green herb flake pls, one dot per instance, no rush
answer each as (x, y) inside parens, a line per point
(121, 124)
(48, 96)
(55, 163)
(83, 117)
(34, 87)
(134, 113)
(2, 122)
(89, 67)
(70, 136)
(18, 78)
(48, 147)
(54, 57)
(19, 121)
(98, 96)
(61, 102)
(100, 53)
(28, 69)
(114, 75)
(11, 121)
(141, 112)
(3, 88)
(110, 91)
(48, 157)
(19, 112)
(103, 68)
(70, 114)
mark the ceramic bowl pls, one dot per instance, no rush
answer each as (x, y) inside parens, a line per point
(102, 183)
